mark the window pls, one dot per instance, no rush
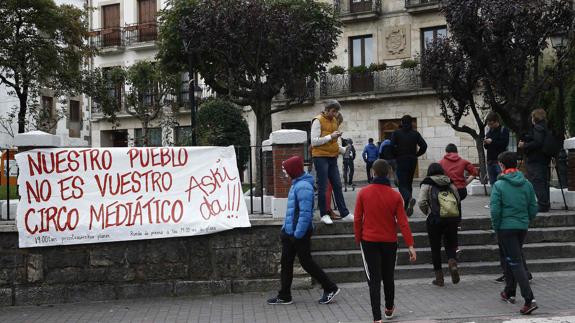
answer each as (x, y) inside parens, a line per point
(111, 23)
(47, 106)
(147, 20)
(361, 50)
(183, 136)
(154, 137)
(360, 6)
(429, 35)
(114, 88)
(74, 111)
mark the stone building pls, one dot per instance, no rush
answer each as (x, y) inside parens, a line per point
(376, 32)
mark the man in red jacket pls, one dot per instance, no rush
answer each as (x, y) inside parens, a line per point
(455, 167)
(378, 212)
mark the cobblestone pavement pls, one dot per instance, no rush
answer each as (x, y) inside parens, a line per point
(475, 299)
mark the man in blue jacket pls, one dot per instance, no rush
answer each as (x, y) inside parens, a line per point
(370, 154)
(296, 235)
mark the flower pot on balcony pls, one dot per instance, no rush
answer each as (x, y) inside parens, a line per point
(361, 82)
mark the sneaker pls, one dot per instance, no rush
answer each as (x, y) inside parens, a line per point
(326, 219)
(486, 206)
(388, 313)
(527, 309)
(410, 206)
(458, 252)
(279, 301)
(347, 218)
(328, 297)
(529, 276)
(507, 299)
(334, 216)
(500, 279)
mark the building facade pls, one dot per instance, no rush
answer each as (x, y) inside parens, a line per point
(391, 33)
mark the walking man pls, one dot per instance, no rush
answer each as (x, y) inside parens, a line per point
(325, 149)
(369, 155)
(407, 146)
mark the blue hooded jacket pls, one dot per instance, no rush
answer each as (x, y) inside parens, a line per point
(370, 153)
(299, 207)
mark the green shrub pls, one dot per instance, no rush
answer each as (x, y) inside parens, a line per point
(334, 70)
(220, 123)
(377, 67)
(361, 69)
(409, 63)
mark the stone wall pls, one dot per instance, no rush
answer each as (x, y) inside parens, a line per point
(239, 260)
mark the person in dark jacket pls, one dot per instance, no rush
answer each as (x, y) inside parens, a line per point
(537, 163)
(369, 154)
(513, 207)
(296, 234)
(386, 153)
(438, 227)
(495, 143)
(348, 167)
(407, 146)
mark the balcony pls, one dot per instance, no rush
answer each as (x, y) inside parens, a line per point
(393, 80)
(141, 35)
(357, 10)
(107, 39)
(422, 6)
(301, 91)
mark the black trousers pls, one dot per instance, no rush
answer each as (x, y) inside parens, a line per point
(379, 264)
(302, 248)
(442, 231)
(348, 170)
(512, 244)
(368, 165)
(405, 172)
(462, 193)
(538, 175)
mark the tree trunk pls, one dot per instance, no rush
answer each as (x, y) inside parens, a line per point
(23, 98)
(481, 157)
(263, 131)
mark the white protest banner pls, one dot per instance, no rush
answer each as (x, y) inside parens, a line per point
(89, 195)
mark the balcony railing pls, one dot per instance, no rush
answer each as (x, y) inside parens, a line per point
(354, 10)
(421, 5)
(301, 90)
(390, 80)
(140, 33)
(107, 37)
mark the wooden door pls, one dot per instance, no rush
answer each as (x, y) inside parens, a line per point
(147, 20)
(111, 21)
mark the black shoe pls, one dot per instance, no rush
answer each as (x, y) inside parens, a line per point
(327, 297)
(500, 279)
(528, 308)
(410, 206)
(279, 301)
(529, 276)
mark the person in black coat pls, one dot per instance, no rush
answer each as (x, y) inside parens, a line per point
(537, 162)
(407, 146)
(495, 142)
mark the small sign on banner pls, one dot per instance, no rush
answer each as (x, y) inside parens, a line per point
(89, 195)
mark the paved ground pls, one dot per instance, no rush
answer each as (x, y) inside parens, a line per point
(475, 299)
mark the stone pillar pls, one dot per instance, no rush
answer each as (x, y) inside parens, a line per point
(285, 144)
(24, 142)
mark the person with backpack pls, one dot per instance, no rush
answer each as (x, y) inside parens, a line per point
(378, 214)
(537, 147)
(407, 145)
(513, 207)
(386, 153)
(296, 235)
(348, 167)
(455, 168)
(369, 154)
(439, 200)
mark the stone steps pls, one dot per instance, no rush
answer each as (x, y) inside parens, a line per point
(550, 246)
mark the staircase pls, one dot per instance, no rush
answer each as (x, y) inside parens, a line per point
(550, 246)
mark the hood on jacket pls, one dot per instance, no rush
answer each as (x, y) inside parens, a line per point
(349, 141)
(305, 177)
(386, 142)
(452, 157)
(515, 178)
(293, 166)
(439, 180)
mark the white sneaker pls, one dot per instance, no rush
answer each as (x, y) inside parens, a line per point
(326, 219)
(348, 218)
(486, 206)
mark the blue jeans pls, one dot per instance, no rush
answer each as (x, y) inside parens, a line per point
(326, 168)
(493, 170)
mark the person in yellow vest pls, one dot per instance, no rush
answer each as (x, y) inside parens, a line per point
(325, 150)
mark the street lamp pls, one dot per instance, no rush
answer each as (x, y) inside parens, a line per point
(559, 42)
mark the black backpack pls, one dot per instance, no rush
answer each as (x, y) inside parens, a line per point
(551, 144)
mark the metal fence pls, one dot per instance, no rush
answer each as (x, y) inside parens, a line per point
(8, 181)
(257, 175)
